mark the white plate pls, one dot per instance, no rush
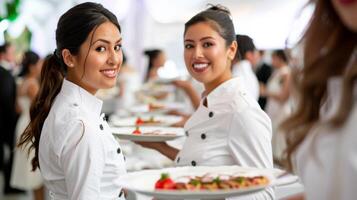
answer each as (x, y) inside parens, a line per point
(144, 182)
(166, 107)
(163, 80)
(126, 133)
(162, 120)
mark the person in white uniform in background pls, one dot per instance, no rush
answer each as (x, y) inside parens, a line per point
(22, 177)
(321, 133)
(228, 127)
(279, 105)
(74, 147)
(246, 58)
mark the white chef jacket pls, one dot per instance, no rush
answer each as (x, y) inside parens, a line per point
(244, 70)
(231, 130)
(79, 157)
(327, 160)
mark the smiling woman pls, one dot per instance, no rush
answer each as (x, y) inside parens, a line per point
(99, 60)
(228, 127)
(77, 162)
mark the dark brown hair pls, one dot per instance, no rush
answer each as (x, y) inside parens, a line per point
(219, 19)
(329, 46)
(73, 28)
(152, 54)
(29, 58)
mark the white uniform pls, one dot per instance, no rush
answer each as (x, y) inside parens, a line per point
(79, 157)
(231, 130)
(327, 160)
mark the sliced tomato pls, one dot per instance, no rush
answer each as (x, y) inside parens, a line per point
(139, 121)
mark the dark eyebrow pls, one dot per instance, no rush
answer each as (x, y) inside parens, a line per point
(106, 41)
(204, 38)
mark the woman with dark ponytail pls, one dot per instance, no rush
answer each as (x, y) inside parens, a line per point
(74, 148)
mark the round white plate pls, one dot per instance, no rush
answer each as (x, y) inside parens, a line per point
(166, 107)
(162, 120)
(144, 182)
(126, 133)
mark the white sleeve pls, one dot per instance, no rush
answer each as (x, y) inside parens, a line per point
(249, 138)
(348, 172)
(82, 160)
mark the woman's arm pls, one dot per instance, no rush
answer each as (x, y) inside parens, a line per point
(82, 159)
(161, 147)
(285, 90)
(190, 91)
(249, 138)
(297, 197)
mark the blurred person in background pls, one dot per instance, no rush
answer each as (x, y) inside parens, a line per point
(263, 72)
(321, 132)
(278, 106)
(243, 64)
(22, 176)
(7, 59)
(157, 59)
(8, 112)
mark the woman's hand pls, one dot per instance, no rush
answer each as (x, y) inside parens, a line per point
(182, 84)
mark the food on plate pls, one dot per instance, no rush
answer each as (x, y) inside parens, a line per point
(151, 120)
(153, 107)
(210, 182)
(165, 182)
(137, 131)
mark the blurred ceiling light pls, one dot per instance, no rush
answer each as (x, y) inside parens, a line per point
(119, 7)
(4, 24)
(164, 11)
(17, 27)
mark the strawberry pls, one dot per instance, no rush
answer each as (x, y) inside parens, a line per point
(139, 121)
(165, 182)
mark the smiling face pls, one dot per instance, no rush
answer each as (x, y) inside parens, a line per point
(99, 59)
(207, 57)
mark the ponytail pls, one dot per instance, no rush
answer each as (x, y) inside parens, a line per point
(52, 76)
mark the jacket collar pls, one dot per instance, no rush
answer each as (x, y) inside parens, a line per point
(223, 92)
(81, 97)
(220, 98)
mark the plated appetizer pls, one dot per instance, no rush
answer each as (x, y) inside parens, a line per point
(153, 107)
(210, 182)
(137, 131)
(150, 121)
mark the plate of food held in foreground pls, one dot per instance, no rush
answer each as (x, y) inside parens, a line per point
(200, 182)
(148, 133)
(145, 120)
